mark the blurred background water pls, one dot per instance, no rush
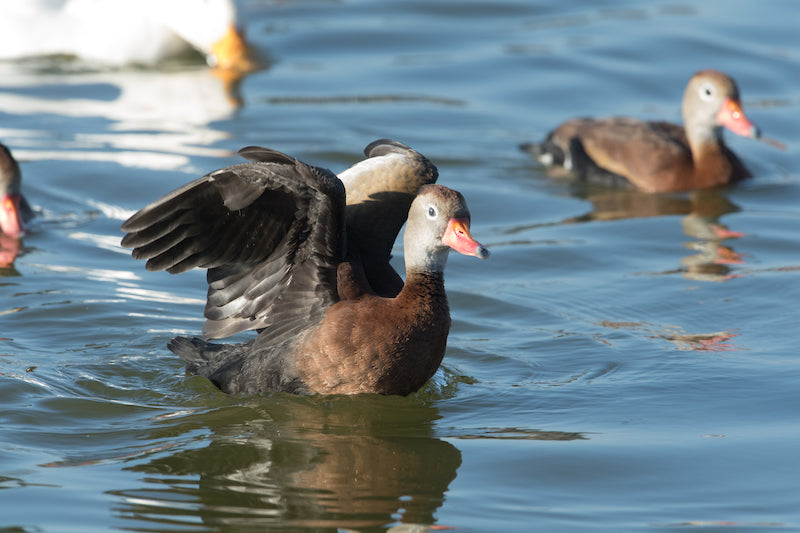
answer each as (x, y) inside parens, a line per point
(614, 366)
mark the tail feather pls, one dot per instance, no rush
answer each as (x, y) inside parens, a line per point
(238, 368)
(191, 351)
(575, 161)
(204, 358)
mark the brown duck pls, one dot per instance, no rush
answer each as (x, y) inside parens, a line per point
(657, 156)
(277, 238)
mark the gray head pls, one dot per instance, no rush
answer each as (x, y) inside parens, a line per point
(438, 221)
(711, 102)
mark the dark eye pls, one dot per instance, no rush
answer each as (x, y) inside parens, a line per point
(431, 212)
(707, 92)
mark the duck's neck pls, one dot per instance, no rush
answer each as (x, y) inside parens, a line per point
(422, 322)
(709, 156)
(422, 258)
(425, 289)
(702, 134)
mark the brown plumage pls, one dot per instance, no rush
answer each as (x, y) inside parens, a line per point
(272, 234)
(657, 156)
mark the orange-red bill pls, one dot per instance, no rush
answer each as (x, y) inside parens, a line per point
(10, 215)
(457, 237)
(732, 117)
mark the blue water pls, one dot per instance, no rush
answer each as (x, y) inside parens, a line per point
(612, 366)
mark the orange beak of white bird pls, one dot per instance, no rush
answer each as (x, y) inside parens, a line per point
(457, 237)
(232, 53)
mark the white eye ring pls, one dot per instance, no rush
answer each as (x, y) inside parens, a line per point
(707, 92)
(431, 212)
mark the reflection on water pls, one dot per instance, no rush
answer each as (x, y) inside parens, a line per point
(711, 262)
(588, 328)
(713, 258)
(702, 211)
(365, 99)
(522, 434)
(145, 119)
(704, 342)
(9, 250)
(362, 462)
(151, 119)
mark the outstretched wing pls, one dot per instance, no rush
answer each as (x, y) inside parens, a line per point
(270, 233)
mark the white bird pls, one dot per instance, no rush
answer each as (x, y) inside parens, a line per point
(123, 32)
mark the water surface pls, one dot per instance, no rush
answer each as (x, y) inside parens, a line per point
(614, 366)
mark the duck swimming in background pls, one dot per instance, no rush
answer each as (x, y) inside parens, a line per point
(297, 254)
(14, 209)
(120, 32)
(657, 156)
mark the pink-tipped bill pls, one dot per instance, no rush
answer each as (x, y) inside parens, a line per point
(732, 117)
(457, 237)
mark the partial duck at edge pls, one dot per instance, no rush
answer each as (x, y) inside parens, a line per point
(14, 209)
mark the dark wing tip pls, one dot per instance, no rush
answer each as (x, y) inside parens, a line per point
(266, 155)
(126, 240)
(134, 223)
(382, 147)
(386, 146)
(327, 180)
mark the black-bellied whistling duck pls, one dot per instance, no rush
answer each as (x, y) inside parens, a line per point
(272, 235)
(657, 156)
(14, 210)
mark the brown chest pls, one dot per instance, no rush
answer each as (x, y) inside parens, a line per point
(375, 345)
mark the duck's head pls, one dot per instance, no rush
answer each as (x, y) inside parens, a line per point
(711, 102)
(438, 221)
